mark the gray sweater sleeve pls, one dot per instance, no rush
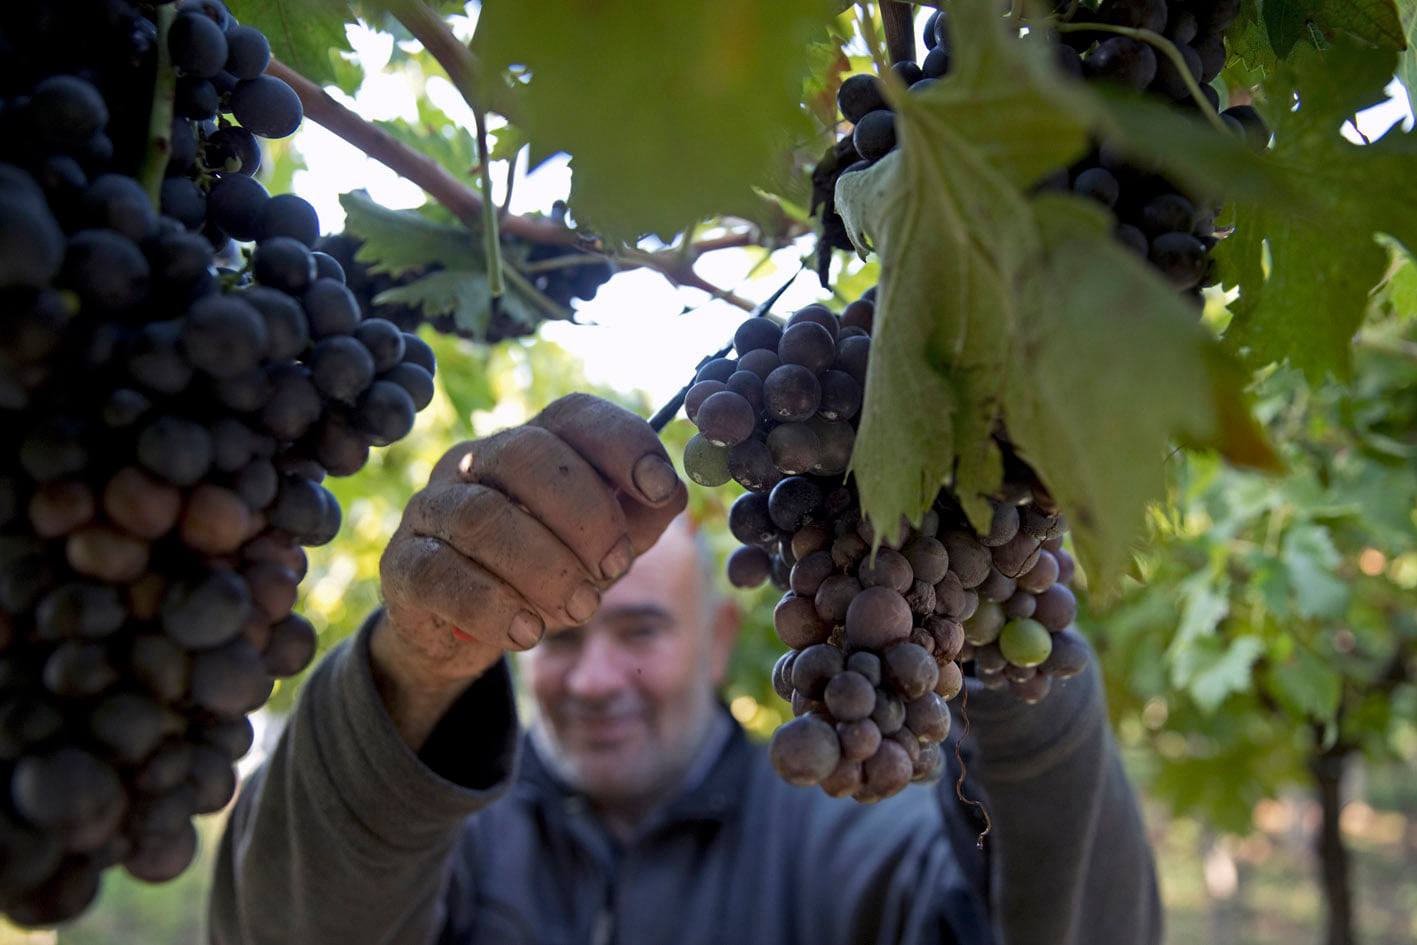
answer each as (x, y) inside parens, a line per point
(343, 836)
(1069, 857)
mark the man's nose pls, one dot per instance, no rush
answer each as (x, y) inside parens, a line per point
(599, 670)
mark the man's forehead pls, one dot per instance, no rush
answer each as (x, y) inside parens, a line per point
(662, 574)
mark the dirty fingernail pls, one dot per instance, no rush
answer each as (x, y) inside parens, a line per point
(655, 478)
(526, 630)
(617, 562)
(583, 603)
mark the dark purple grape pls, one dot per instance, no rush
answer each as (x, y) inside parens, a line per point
(834, 597)
(248, 52)
(206, 610)
(105, 269)
(797, 622)
(290, 216)
(887, 568)
(725, 418)
(1122, 60)
(910, 670)
(286, 264)
(818, 314)
(1181, 258)
(807, 344)
(332, 309)
(890, 768)
(858, 95)
(718, 369)
(1056, 608)
(809, 573)
(384, 341)
(341, 368)
(179, 451)
(928, 717)
(928, 559)
(756, 334)
(792, 393)
(804, 751)
(385, 413)
(997, 587)
(234, 203)
(294, 403)
(969, 560)
(197, 45)
(266, 106)
(840, 397)
(749, 386)
(234, 150)
(792, 501)
(795, 448)
(814, 668)
(877, 617)
(782, 675)
(417, 382)
(1098, 184)
(213, 779)
(850, 697)
(223, 336)
(760, 361)
(700, 392)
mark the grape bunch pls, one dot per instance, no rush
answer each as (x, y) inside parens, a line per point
(877, 625)
(1157, 218)
(171, 423)
(580, 278)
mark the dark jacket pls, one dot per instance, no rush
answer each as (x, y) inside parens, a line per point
(345, 836)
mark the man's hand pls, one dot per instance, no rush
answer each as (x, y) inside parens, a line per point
(515, 535)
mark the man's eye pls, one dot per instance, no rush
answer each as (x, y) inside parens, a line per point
(640, 632)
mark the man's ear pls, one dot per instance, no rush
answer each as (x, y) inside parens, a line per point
(727, 621)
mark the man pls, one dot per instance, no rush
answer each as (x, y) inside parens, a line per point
(401, 805)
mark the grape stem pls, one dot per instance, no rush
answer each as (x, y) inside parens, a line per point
(959, 782)
(492, 241)
(899, 22)
(464, 203)
(159, 149)
(664, 414)
(1167, 48)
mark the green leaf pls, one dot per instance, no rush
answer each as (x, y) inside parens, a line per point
(947, 216)
(1407, 65)
(993, 307)
(1212, 669)
(670, 110)
(1306, 684)
(464, 295)
(306, 35)
(1373, 21)
(400, 241)
(1310, 559)
(1115, 368)
(1305, 271)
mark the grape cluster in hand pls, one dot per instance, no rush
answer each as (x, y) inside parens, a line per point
(877, 625)
(169, 423)
(1174, 230)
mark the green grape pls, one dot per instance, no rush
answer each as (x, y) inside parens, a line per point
(1025, 642)
(705, 463)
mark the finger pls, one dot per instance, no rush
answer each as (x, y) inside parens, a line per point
(423, 573)
(483, 525)
(619, 444)
(542, 472)
(645, 523)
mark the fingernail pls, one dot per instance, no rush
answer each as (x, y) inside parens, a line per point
(583, 603)
(655, 478)
(617, 562)
(526, 630)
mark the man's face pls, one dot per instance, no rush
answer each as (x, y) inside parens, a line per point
(625, 698)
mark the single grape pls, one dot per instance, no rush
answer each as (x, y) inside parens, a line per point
(1122, 60)
(1021, 604)
(814, 667)
(888, 568)
(706, 463)
(286, 264)
(782, 675)
(197, 45)
(223, 335)
(997, 587)
(889, 769)
(797, 622)
(1056, 608)
(1069, 655)
(756, 334)
(792, 393)
(234, 203)
(1025, 642)
(725, 418)
(928, 717)
(858, 95)
(700, 392)
(206, 610)
(760, 361)
(1017, 556)
(846, 779)
(877, 617)
(984, 627)
(1041, 576)
(804, 751)
(968, 559)
(266, 106)
(1180, 257)
(809, 573)
(834, 596)
(950, 681)
(1098, 184)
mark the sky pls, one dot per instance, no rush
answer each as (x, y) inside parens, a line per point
(634, 313)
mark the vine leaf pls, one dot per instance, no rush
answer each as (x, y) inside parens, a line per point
(306, 35)
(996, 307)
(1376, 22)
(1407, 65)
(1306, 300)
(670, 111)
(404, 242)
